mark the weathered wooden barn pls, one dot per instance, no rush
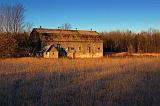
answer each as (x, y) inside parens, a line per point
(55, 43)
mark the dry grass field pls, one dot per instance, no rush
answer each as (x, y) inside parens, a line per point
(80, 82)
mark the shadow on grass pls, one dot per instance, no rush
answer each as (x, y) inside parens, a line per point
(59, 88)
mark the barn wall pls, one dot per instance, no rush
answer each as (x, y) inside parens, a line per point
(46, 54)
(35, 42)
(76, 47)
(53, 54)
(81, 49)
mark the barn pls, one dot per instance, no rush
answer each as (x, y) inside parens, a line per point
(56, 43)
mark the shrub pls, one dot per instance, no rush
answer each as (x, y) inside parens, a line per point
(7, 45)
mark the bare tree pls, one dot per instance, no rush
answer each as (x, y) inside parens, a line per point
(1, 20)
(7, 45)
(145, 42)
(66, 26)
(1, 26)
(18, 18)
(28, 27)
(7, 17)
(12, 18)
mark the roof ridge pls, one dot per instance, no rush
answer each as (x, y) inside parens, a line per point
(65, 29)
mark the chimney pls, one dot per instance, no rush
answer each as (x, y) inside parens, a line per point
(76, 28)
(91, 29)
(40, 26)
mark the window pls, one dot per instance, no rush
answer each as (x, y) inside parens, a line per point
(79, 48)
(53, 53)
(48, 36)
(45, 36)
(89, 48)
(64, 36)
(99, 48)
(72, 48)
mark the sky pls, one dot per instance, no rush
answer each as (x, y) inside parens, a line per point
(100, 15)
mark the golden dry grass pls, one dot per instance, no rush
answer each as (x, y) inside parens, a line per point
(81, 82)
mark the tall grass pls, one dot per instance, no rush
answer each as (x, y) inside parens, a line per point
(82, 82)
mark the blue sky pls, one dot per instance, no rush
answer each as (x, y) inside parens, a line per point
(100, 15)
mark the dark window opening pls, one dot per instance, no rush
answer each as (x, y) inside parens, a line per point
(89, 48)
(53, 53)
(68, 49)
(72, 48)
(99, 48)
(64, 36)
(79, 48)
(48, 36)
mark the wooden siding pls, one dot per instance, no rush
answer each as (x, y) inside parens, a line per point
(77, 45)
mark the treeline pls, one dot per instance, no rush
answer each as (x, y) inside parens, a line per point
(14, 31)
(144, 42)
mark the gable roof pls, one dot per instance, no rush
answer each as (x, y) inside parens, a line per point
(50, 48)
(62, 31)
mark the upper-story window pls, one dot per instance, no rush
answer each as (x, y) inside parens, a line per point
(72, 48)
(64, 36)
(48, 36)
(45, 36)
